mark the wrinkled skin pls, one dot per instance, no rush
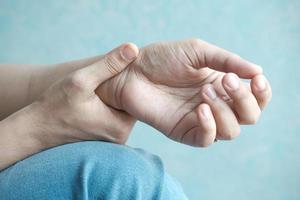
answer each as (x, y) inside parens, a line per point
(164, 87)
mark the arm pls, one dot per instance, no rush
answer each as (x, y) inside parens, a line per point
(68, 111)
(30, 81)
(20, 136)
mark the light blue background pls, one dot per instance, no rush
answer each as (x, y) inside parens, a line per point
(264, 162)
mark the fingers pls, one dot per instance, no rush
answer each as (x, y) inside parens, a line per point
(197, 128)
(90, 77)
(261, 90)
(227, 124)
(221, 60)
(244, 102)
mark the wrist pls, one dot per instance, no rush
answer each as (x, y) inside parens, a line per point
(112, 90)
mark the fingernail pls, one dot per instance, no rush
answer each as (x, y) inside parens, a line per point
(261, 83)
(128, 53)
(210, 93)
(232, 82)
(205, 111)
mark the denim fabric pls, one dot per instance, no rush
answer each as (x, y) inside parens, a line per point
(89, 170)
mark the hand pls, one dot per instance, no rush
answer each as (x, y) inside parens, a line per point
(73, 111)
(185, 90)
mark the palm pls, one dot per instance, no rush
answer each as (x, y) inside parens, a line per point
(162, 86)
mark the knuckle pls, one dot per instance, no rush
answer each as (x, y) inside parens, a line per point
(225, 62)
(253, 119)
(112, 64)
(76, 81)
(207, 137)
(224, 58)
(231, 134)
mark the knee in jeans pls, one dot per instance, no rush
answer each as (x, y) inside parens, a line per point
(115, 171)
(89, 170)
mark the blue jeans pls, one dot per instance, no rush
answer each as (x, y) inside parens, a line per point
(89, 170)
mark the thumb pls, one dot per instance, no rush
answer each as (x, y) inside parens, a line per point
(109, 65)
(222, 60)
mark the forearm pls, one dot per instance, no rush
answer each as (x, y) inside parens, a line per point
(20, 136)
(21, 84)
(14, 81)
(68, 111)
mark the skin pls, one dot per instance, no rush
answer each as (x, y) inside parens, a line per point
(30, 81)
(190, 91)
(167, 86)
(68, 111)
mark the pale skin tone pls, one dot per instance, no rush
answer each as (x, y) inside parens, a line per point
(189, 90)
(67, 110)
(185, 90)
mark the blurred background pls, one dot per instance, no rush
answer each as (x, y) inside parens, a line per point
(264, 162)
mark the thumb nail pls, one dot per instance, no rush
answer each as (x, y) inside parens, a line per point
(128, 53)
